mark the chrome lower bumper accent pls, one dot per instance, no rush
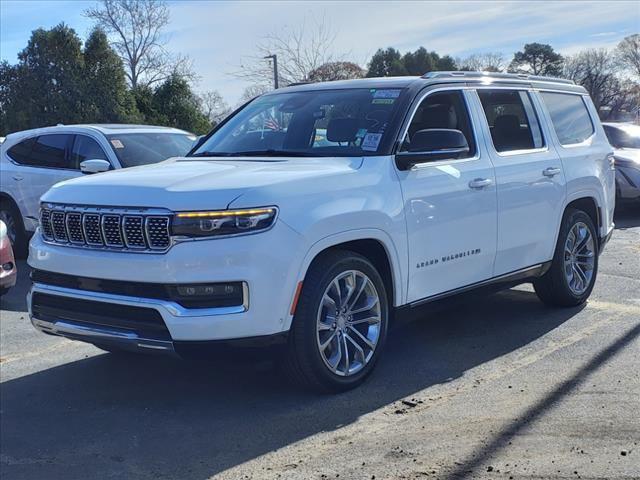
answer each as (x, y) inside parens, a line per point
(103, 336)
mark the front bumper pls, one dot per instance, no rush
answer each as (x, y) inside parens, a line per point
(261, 261)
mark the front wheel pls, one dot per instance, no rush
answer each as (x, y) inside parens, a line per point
(572, 275)
(340, 323)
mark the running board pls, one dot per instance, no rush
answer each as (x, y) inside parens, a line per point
(498, 283)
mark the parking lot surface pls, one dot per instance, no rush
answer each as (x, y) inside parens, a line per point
(497, 386)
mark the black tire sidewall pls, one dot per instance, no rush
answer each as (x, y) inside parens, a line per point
(305, 318)
(571, 218)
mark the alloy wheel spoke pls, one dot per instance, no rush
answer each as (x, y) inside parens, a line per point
(370, 303)
(357, 296)
(369, 320)
(367, 342)
(358, 348)
(347, 363)
(327, 342)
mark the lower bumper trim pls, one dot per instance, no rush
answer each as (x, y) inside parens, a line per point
(126, 340)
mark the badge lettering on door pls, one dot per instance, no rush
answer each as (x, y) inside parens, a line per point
(448, 258)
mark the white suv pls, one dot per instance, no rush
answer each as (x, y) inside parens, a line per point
(32, 161)
(315, 211)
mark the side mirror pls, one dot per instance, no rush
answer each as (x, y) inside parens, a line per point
(94, 166)
(432, 144)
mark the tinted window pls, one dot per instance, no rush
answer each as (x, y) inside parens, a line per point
(86, 148)
(569, 116)
(512, 120)
(20, 151)
(134, 149)
(350, 122)
(50, 151)
(442, 110)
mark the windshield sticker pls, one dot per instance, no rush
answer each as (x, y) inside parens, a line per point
(386, 94)
(371, 142)
(361, 133)
(116, 143)
(383, 101)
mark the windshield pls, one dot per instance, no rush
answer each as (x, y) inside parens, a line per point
(345, 123)
(134, 149)
(623, 136)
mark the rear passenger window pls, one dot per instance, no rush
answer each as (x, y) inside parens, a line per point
(569, 116)
(446, 110)
(512, 120)
(20, 151)
(50, 151)
(86, 148)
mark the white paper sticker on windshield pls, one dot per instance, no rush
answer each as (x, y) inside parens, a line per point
(386, 94)
(116, 143)
(371, 142)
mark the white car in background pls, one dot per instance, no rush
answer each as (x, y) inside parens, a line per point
(33, 161)
(625, 139)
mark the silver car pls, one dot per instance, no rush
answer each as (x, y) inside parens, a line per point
(625, 139)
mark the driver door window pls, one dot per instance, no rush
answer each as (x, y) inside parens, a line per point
(442, 110)
(86, 148)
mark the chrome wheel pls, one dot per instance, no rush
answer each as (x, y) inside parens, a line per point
(579, 258)
(10, 222)
(348, 323)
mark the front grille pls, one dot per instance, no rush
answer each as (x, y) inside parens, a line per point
(146, 322)
(106, 228)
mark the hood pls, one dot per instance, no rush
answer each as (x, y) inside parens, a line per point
(193, 184)
(627, 156)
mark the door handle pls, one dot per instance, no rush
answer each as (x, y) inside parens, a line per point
(480, 183)
(17, 178)
(551, 171)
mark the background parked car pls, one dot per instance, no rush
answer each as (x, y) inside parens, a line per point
(33, 161)
(625, 139)
(8, 270)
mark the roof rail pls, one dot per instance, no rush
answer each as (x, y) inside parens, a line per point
(511, 76)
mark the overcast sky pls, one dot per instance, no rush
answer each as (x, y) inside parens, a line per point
(217, 34)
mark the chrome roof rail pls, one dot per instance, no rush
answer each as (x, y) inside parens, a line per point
(497, 75)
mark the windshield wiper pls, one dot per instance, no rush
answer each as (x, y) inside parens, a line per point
(272, 153)
(256, 153)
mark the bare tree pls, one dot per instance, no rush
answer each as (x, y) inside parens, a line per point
(135, 29)
(213, 106)
(483, 62)
(252, 91)
(300, 51)
(628, 53)
(597, 71)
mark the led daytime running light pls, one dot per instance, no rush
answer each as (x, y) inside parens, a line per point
(225, 213)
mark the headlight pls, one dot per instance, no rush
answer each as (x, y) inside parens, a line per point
(223, 222)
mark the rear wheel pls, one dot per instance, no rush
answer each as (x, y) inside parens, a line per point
(10, 215)
(340, 324)
(572, 275)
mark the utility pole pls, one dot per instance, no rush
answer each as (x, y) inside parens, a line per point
(274, 57)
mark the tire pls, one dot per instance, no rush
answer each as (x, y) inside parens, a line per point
(3, 291)
(11, 216)
(562, 285)
(305, 361)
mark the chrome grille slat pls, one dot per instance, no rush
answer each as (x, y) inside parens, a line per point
(45, 222)
(92, 230)
(59, 227)
(133, 231)
(106, 228)
(73, 222)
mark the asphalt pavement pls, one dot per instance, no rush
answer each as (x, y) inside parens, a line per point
(497, 386)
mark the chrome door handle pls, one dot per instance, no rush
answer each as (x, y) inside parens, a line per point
(480, 183)
(17, 178)
(551, 171)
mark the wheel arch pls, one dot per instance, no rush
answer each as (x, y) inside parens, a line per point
(373, 244)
